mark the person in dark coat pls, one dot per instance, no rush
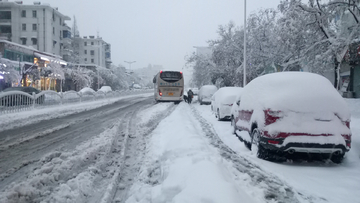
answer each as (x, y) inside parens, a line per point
(190, 96)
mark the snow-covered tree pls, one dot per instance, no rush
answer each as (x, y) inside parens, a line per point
(327, 28)
(82, 77)
(8, 71)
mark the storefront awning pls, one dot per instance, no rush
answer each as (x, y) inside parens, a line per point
(50, 58)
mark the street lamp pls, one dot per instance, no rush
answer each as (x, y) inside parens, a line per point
(244, 43)
(129, 62)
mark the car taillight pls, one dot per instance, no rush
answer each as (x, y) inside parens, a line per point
(347, 123)
(160, 93)
(272, 116)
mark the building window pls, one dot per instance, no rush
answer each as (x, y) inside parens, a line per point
(5, 15)
(34, 41)
(23, 27)
(85, 51)
(92, 60)
(60, 21)
(85, 59)
(5, 29)
(23, 40)
(53, 30)
(54, 43)
(92, 52)
(23, 13)
(85, 43)
(34, 14)
(34, 27)
(92, 43)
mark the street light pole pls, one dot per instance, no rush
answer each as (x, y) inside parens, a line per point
(129, 62)
(244, 43)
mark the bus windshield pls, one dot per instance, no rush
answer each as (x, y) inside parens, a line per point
(170, 76)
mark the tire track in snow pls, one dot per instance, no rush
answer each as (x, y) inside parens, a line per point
(276, 190)
(66, 176)
(135, 152)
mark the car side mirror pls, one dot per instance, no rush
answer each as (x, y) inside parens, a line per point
(238, 103)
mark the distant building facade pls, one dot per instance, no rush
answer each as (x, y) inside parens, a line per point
(39, 26)
(92, 50)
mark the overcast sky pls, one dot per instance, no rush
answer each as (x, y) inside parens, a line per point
(158, 32)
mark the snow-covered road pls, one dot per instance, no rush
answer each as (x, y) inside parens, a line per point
(147, 152)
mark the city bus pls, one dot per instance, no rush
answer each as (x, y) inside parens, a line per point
(169, 86)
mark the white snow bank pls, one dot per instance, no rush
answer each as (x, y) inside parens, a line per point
(183, 167)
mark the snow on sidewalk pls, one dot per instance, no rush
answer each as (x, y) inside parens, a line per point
(181, 166)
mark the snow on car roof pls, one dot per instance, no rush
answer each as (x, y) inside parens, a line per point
(294, 91)
(228, 94)
(87, 89)
(105, 89)
(208, 89)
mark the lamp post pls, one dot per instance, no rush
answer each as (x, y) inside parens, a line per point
(129, 62)
(244, 44)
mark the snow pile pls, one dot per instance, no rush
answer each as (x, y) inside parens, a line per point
(183, 167)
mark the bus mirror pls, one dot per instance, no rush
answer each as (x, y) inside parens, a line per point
(154, 80)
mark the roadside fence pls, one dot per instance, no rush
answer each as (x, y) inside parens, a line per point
(16, 101)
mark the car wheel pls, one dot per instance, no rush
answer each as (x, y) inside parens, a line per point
(218, 115)
(260, 150)
(233, 125)
(255, 144)
(337, 158)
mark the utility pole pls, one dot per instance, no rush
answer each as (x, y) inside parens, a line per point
(244, 43)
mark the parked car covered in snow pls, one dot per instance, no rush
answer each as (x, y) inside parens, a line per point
(205, 94)
(222, 101)
(293, 112)
(105, 89)
(195, 90)
(87, 90)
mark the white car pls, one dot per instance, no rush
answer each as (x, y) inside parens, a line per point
(195, 90)
(87, 90)
(105, 89)
(223, 100)
(205, 94)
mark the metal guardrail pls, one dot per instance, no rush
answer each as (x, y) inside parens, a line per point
(16, 101)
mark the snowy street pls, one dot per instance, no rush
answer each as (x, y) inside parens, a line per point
(131, 149)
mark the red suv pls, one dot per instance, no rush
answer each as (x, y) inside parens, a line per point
(293, 112)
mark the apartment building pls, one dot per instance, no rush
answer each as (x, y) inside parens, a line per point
(39, 26)
(92, 50)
